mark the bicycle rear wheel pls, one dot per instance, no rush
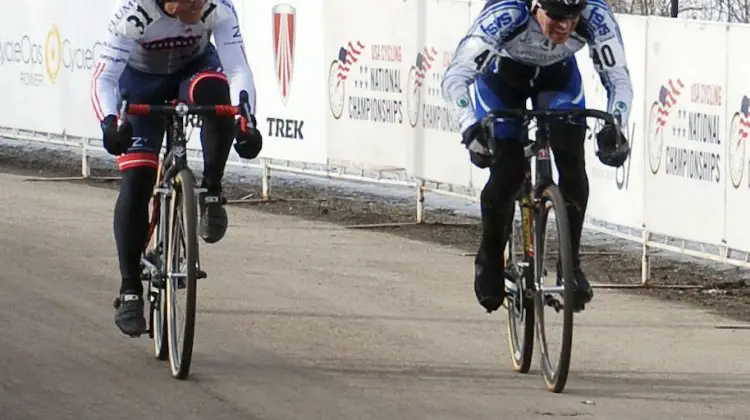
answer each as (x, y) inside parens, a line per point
(555, 376)
(518, 281)
(181, 273)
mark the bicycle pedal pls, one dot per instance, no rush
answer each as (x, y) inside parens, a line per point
(201, 274)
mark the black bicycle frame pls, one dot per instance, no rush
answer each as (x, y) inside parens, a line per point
(176, 148)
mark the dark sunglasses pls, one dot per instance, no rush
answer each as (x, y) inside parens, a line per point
(560, 15)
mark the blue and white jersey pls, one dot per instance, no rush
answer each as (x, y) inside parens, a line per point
(507, 28)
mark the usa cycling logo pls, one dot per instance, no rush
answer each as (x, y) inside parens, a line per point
(658, 118)
(738, 134)
(417, 73)
(338, 73)
(284, 32)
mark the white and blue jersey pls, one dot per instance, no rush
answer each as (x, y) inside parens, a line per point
(142, 37)
(510, 59)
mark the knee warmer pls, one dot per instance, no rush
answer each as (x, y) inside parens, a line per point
(212, 88)
(217, 133)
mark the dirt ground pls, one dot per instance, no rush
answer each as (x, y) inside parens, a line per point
(724, 289)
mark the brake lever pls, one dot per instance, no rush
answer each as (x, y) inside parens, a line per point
(124, 95)
(245, 111)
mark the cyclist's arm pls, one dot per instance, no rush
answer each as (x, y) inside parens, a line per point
(231, 48)
(119, 41)
(478, 51)
(607, 52)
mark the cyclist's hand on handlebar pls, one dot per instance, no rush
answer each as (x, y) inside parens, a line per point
(474, 139)
(613, 146)
(116, 142)
(249, 141)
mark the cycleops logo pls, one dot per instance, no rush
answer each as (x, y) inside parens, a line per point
(48, 58)
(52, 53)
(61, 54)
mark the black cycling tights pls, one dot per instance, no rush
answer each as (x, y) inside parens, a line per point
(131, 224)
(505, 178)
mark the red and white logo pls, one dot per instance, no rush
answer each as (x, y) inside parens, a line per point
(283, 47)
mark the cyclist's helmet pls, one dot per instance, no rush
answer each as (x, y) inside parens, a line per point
(563, 9)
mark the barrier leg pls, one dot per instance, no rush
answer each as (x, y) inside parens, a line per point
(646, 272)
(265, 187)
(85, 170)
(419, 220)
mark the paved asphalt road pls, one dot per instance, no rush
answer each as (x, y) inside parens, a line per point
(303, 320)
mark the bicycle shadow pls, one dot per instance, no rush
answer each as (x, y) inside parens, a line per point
(427, 375)
(688, 387)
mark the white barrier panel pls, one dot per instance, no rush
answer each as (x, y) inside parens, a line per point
(369, 47)
(439, 154)
(686, 131)
(283, 43)
(46, 58)
(616, 195)
(738, 126)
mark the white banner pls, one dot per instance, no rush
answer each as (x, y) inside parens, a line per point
(283, 43)
(369, 47)
(439, 154)
(46, 59)
(616, 195)
(685, 101)
(737, 122)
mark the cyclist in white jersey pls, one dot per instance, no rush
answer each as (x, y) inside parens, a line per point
(515, 50)
(160, 50)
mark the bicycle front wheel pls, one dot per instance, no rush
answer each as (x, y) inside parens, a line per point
(518, 282)
(157, 295)
(181, 284)
(554, 265)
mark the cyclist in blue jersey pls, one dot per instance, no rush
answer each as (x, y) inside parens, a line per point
(513, 51)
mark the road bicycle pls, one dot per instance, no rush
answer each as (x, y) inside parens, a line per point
(526, 274)
(170, 260)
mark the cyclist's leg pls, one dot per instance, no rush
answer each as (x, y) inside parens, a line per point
(138, 168)
(567, 142)
(204, 83)
(498, 195)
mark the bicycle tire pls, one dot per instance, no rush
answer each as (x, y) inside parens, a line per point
(556, 379)
(521, 353)
(184, 202)
(157, 312)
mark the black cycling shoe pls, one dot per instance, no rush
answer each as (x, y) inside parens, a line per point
(489, 286)
(213, 219)
(584, 292)
(129, 314)
(582, 288)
